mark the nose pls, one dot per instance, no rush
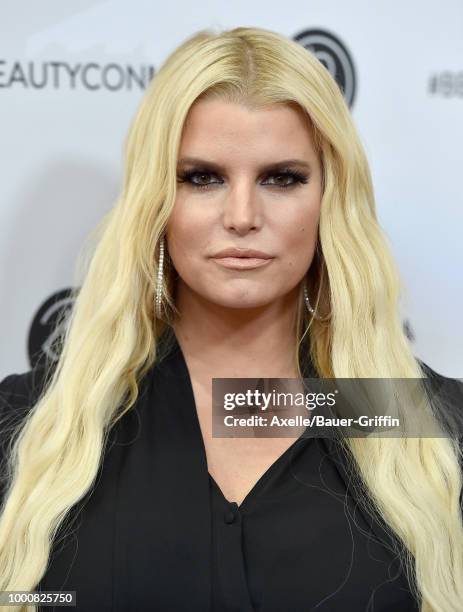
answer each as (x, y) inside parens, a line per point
(242, 210)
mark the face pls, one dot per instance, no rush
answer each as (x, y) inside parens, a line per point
(242, 191)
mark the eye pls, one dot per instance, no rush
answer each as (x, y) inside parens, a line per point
(187, 177)
(199, 179)
(296, 177)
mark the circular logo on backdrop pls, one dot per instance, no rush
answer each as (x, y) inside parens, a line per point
(47, 324)
(333, 54)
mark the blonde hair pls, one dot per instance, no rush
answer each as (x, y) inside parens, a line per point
(112, 336)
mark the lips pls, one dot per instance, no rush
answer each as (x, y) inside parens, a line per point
(242, 254)
(241, 263)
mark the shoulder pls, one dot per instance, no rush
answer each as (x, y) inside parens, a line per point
(451, 389)
(449, 407)
(19, 392)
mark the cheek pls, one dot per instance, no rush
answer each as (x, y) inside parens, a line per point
(187, 232)
(299, 241)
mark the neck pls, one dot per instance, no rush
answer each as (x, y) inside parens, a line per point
(223, 342)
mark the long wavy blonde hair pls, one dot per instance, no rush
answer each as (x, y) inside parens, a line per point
(112, 336)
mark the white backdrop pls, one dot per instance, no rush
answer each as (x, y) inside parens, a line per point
(71, 78)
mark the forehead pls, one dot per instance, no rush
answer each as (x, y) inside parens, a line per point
(218, 127)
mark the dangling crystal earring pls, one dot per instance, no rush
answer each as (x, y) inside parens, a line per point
(307, 303)
(159, 279)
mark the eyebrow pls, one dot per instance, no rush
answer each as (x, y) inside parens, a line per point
(275, 166)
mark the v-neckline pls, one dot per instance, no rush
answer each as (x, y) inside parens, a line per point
(263, 478)
(176, 352)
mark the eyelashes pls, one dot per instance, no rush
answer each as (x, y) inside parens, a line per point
(296, 178)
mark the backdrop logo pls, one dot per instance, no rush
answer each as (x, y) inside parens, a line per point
(47, 324)
(446, 84)
(333, 54)
(408, 330)
(62, 75)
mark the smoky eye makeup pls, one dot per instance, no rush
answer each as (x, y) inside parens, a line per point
(203, 178)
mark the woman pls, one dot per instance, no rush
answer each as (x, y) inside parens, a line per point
(116, 487)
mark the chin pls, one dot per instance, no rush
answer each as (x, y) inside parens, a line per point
(242, 302)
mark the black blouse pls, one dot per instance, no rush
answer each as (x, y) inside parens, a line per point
(156, 533)
(291, 544)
